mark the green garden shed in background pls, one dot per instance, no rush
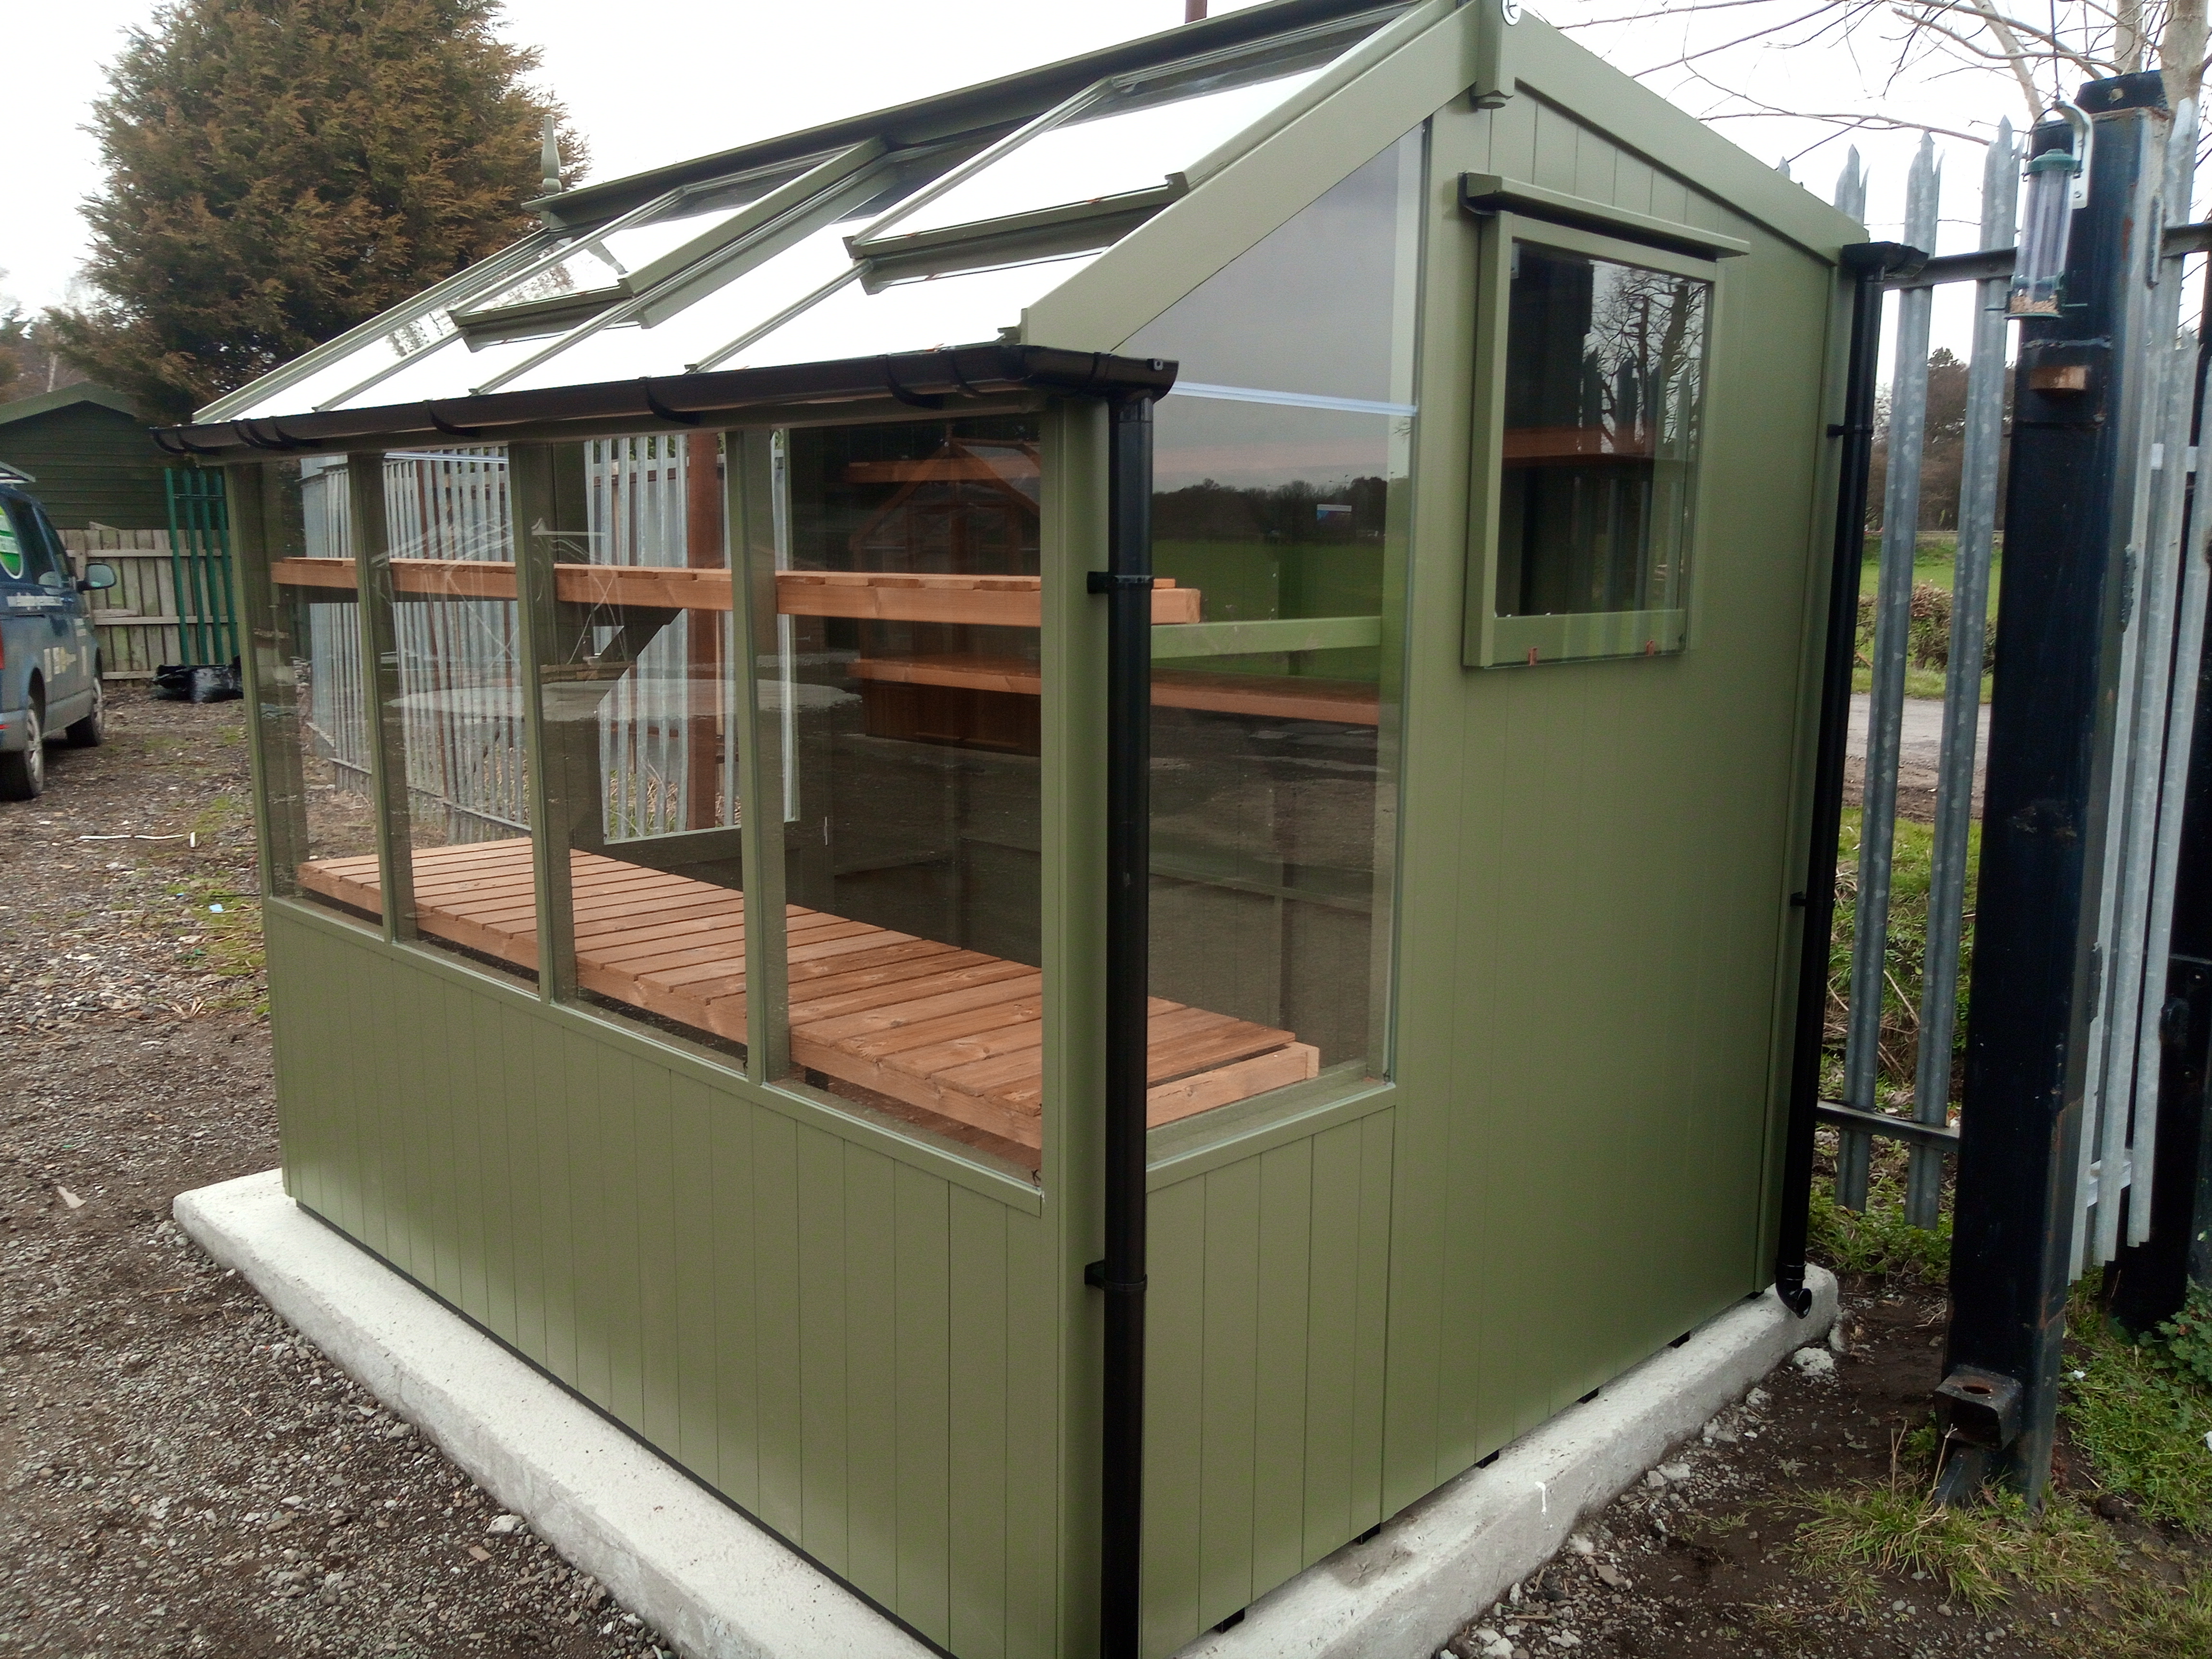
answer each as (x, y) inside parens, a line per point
(94, 459)
(705, 676)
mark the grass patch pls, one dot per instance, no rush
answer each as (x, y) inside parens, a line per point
(1980, 1555)
(2142, 1417)
(230, 936)
(1919, 683)
(2160, 1621)
(1904, 960)
(1879, 1239)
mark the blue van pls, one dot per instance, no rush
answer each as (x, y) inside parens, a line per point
(49, 658)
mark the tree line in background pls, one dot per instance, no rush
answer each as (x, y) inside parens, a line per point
(279, 171)
(1943, 456)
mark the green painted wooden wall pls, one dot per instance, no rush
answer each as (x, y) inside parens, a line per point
(92, 463)
(857, 1352)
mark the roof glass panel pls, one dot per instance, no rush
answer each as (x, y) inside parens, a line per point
(399, 342)
(750, 300)
(968, 309)
(1127, 135)
(603, 258)
(452, 372)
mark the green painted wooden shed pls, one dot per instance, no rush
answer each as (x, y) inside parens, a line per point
(95, 461)
(1097, 778)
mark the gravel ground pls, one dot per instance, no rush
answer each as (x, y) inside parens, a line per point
(178, 1472)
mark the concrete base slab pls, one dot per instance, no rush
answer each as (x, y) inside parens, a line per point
(721, 1587)
(1438, 1564)
(718, 1586)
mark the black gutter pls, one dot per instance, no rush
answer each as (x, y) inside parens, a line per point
(1870, 264)
(1127, 584)
(1007, 102)
(921, 379)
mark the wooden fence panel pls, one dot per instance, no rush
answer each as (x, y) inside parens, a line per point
(137, 619)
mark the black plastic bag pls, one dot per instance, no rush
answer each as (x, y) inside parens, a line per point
(183, 683)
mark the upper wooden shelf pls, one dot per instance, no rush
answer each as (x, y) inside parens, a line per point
(873, 596)
(1272, 696)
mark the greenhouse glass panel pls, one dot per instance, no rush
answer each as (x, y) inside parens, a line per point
(903, 705)
(397, 345)
(970, 308)
(750, 298)
(640, 719)
(606, 258)
(318, 799)
(1280, 477)
(1129, 135)
(452, 371)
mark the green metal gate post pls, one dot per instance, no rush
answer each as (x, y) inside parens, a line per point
(199, 565)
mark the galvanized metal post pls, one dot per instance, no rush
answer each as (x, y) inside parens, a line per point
(1962, 685)
(1900, 521)
(2070, 503)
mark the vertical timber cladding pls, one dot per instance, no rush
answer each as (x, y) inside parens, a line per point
(1590, 1058)
(853, 1349)
(1573, 1166)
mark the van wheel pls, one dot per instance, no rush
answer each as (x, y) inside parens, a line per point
(91, 730)
(23, 777)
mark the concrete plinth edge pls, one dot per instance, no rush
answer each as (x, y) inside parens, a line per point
(1442, 1560)
(716, 1585)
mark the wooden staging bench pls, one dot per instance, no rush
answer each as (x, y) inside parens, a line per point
(956, 1033)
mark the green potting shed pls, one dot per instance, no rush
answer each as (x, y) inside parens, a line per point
(1182, 684)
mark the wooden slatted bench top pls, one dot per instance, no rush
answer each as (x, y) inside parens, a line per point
(954, 1032)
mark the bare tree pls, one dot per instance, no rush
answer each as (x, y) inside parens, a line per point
(2043, 54)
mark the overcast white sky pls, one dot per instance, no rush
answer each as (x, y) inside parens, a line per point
(686, 76)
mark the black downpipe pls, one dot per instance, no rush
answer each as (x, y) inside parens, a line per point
(1127, 583)
(1867, 262)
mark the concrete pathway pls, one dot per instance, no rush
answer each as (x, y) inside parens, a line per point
(1919, 752)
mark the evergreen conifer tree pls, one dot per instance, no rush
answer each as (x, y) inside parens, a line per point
(281, 170)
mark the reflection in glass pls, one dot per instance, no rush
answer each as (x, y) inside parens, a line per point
(1279, 481)
(1604, 377)
(906, 685)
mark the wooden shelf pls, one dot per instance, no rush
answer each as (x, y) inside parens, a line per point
(971, 601)
(956, 1033)
(1273, 697)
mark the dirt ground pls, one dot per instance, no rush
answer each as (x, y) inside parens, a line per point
(1702, 1559)
(178, 1474)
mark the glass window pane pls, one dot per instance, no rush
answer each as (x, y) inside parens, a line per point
(454, 703)
(603, 259)
(970, 308)
(1284, 509)
(640, 731)
(904, 698)
(1129, 136)
(314, 714)
(1604, 397)
(757, 293)
(395, 345)
(1323, 281)
(452, 371)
